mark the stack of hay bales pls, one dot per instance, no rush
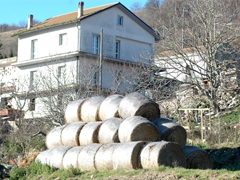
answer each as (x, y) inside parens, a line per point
(119, 133)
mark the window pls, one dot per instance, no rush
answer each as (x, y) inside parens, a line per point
(34, 49)
(120, 21)
(118, 75)
(32, 104)
(95, 78)
(95, 44)
(63, 39)
(61, 74)
(33, 79)
(117, 55)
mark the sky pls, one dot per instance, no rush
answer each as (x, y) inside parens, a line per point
(17, 11)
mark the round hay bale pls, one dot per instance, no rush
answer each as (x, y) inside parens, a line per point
(56, 156)
(136, 104)
(109, 107)
(43, 157)
(137, 128)
(171, 131)
(108, 132)
(89, 133)
(73, 111)
(70, 159)
(155, 154)
(53, 138)
(127, 155)
(70, 134)
(53, 157)
(104, 156)
(197, 158)
(90, 107)
(86, 158)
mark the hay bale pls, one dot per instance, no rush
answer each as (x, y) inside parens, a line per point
(104, 156)
(70, 134)
(43, 157)
(53, 157)
(108, 132)
(137, 128)
(197, 158)
(126, 155)
(90, 108)
(53, 138)
(136, 104)
(155, 154)
(171, 131)
(70, 159)
(56, 156)
(109, 107)
(73, 111)
(86, 158)
(89, 133)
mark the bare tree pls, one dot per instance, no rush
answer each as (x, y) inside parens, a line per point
(197, 32)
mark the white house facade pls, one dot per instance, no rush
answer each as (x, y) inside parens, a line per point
(90, 46)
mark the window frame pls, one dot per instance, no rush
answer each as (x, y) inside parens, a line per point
(96, 44)
(34, 48)
(32, 79)
(62, 39)
(95, 78)
(117, 49)
(120, 20)
(32, 104)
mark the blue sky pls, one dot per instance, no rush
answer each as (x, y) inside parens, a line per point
(16, 11)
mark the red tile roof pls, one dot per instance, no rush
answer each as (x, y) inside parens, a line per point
(67, 18)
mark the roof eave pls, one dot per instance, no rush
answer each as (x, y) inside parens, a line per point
(45, 27)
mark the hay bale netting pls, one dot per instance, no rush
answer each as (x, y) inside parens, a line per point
(73, 111)
(90, 108)
(109, 107)
(70, 134)
(197, 158)
(127, 155)
(89, 133)
(104, 156)
(137, 128)
(136, 104)
(86, 158)
(108, 132)
(70, 159)
(155, 154)
(53, 138)
(171, 131)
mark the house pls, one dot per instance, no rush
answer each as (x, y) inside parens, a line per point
(92, 47)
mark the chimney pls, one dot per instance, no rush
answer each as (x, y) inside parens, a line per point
(30, 21)
(80, 9)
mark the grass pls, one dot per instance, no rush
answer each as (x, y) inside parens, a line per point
(38, 171)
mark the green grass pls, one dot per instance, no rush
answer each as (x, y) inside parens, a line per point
(38, 171)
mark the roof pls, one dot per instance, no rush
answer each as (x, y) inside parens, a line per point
(72, 17)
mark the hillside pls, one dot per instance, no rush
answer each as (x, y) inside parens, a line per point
(9, 43)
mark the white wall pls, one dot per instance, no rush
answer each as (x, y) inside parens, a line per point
(175, 66)
(48, 42)
(135, 42)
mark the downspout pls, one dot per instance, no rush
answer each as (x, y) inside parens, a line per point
(78, 49)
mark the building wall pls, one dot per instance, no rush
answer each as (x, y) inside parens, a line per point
(135, 42)
(176, 67)
(48, 42)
